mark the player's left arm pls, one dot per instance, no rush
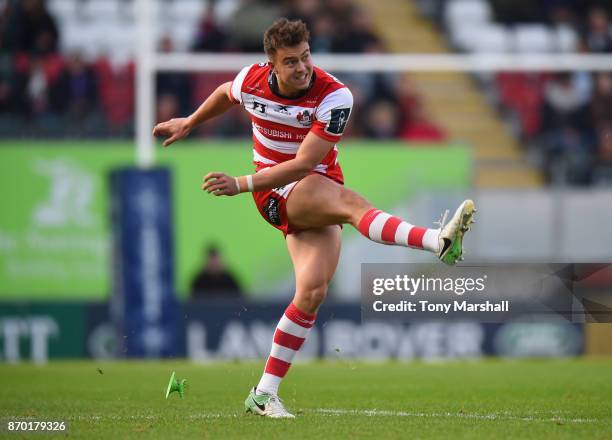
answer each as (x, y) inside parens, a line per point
(311, 152)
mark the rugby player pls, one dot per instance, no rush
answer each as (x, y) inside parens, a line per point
(299, 113)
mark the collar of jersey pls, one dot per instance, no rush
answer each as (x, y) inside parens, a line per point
(273, 84)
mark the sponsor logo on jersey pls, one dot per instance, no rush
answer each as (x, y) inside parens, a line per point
(272, 211)
(284, 135)
(259, 107)
(337, 122)
(284, 109)
(304, 118)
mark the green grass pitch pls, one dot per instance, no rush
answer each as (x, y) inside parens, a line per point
(344, 399)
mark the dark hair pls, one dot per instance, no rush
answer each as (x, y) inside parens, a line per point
(284, 33)
(211, 250)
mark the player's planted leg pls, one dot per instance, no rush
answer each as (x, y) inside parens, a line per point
(314, 254)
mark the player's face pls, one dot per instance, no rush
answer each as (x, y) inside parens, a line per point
(293, 68)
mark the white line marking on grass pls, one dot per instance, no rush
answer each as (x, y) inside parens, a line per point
(102, 418)
(492, 416)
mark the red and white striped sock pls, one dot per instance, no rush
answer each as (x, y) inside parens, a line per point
(289, 336)
(384, 228)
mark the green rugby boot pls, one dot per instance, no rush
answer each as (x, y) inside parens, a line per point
(451, 234)
(267, 405)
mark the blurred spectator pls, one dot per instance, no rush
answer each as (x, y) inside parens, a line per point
(175, 84)
(381, 120)
(341, 11)
(6, 22)
(305, 10)
(565, 130)
(76, 90)
(7, 93)
(358, 36)
(598, 37)
(518, 11)
(210, 35)
(418, 127)
(116, 90)
(602, 118)
(236, 123)
(249, 23)
(34, 28)
(562, 13)
(167, 107)
(604, 150)
(565, 103)
(32, 85)
(322, 34)
(214, 278)
(601, 106)
(602, 172)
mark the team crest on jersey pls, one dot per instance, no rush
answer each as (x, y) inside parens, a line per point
(272, 211)
(259, 107)
(337, 122)
(304, 118)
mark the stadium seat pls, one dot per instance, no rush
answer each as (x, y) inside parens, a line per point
(77, 35)
(225, 9)
(566, 39)
(467, 12)
(183, 37)
(107, 10)
(61, 9)
(533, 38)
(185, 10)
(490, 38)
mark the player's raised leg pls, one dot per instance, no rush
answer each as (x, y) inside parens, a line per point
(314, 254)
(317, 201)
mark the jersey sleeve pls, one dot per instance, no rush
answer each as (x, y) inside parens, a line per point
(236, 88)
(332, 114)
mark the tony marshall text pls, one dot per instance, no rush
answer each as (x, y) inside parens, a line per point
(455, 306)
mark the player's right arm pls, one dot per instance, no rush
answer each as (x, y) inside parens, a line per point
(178, 128)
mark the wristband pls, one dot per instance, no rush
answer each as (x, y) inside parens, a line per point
(244, 183)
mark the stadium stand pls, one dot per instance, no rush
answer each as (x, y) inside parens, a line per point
(554, 116)
(101, 34)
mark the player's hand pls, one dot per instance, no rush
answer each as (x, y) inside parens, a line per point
(173, 130)
(220, 184)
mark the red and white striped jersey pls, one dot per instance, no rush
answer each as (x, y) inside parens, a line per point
(281, 124)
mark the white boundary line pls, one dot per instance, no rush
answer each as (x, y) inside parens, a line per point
(335, 412)
(492, 416)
